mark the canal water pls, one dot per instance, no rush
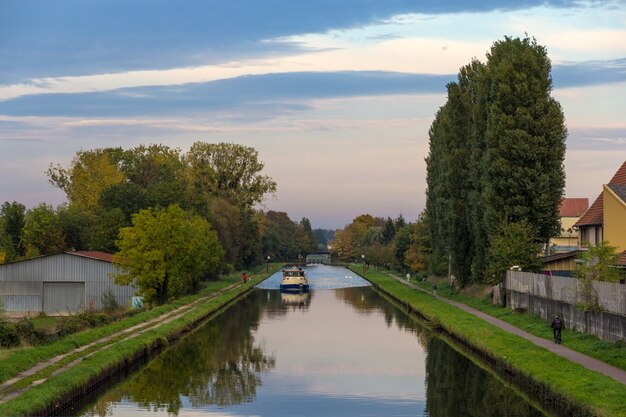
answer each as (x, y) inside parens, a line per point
(340, 350)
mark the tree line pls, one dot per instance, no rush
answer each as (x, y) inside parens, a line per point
(389, 243)
(188, 215)
(495, 173)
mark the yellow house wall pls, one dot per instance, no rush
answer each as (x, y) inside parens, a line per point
(614, 220)
(565, 238)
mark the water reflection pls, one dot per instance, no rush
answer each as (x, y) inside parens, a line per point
(299, 301)
(457, 387)
(345, 352)
(218, 365)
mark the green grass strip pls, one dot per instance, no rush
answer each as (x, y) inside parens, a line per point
(613, 353)
(20, 360)
(41, 396)
(604, 396)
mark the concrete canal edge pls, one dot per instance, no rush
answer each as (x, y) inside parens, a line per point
(543, 394)
(65, 389)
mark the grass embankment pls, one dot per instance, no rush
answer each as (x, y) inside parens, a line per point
(114, 357)
(557, 383)
(613, 353)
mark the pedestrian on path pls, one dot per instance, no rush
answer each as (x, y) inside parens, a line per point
(435, 289)
(245, 277)
(556, 325)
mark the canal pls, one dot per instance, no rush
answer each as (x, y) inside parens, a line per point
(340, 350)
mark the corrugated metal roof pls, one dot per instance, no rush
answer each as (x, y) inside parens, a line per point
(101, 256)
(573, 207)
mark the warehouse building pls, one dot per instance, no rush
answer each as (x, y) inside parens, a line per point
(60, 284)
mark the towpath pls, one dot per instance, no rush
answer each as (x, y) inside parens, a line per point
(577, 357)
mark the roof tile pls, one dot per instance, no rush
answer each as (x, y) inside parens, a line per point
(573, 207)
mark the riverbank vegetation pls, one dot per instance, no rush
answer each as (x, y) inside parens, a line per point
(57, 388)
(544, 374)
(479, 297)
(111, 349)
(204, 198)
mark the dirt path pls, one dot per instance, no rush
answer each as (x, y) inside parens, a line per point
(8, 389)
(584, 360)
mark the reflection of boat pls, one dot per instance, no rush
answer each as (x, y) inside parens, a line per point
(294, 280)
(294, 298)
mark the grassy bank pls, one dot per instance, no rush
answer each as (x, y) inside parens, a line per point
(115, 357)
(558, 383)
(613, 353)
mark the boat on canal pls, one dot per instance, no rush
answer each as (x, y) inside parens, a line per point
(294, 280)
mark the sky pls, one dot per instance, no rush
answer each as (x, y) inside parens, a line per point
(336, 96)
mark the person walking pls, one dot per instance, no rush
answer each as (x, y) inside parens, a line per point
(245, 277)
(557, 325)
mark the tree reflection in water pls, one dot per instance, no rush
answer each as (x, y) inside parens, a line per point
(455, 386)
(217, 365)
(458, 387)
(367, 302)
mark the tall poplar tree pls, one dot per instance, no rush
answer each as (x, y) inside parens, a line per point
(496, 157)
(525, 137)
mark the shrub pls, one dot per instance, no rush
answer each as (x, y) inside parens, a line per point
(70, 324)
(8, 335)
(109, 303)
(29, 334)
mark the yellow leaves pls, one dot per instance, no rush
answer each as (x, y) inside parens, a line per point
(91, 173)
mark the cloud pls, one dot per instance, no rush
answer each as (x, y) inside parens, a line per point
(271, 94)
(74, 37)
(577, 74)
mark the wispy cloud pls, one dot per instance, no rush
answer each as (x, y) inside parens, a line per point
(274, 93)
(66, 37)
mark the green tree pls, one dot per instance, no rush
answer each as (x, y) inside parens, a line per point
(525, 137)
(513, 244)
(227, 220)
(495, 156)
(402, 242)
(389, 231)
(599, 263)
(42, 233)
(90, 173)
(228, 170)
(308, 243)
(166, 252)
(105, 231)
(76, 227)
(12, 221)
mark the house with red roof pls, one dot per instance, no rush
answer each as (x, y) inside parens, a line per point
(570, 211)
(605, 220)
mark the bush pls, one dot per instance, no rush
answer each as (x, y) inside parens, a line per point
(70, 324)
(93, 319)
(8, 335)
(109, 303)
(28, 334)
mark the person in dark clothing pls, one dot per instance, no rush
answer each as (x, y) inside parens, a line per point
(556, 325)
